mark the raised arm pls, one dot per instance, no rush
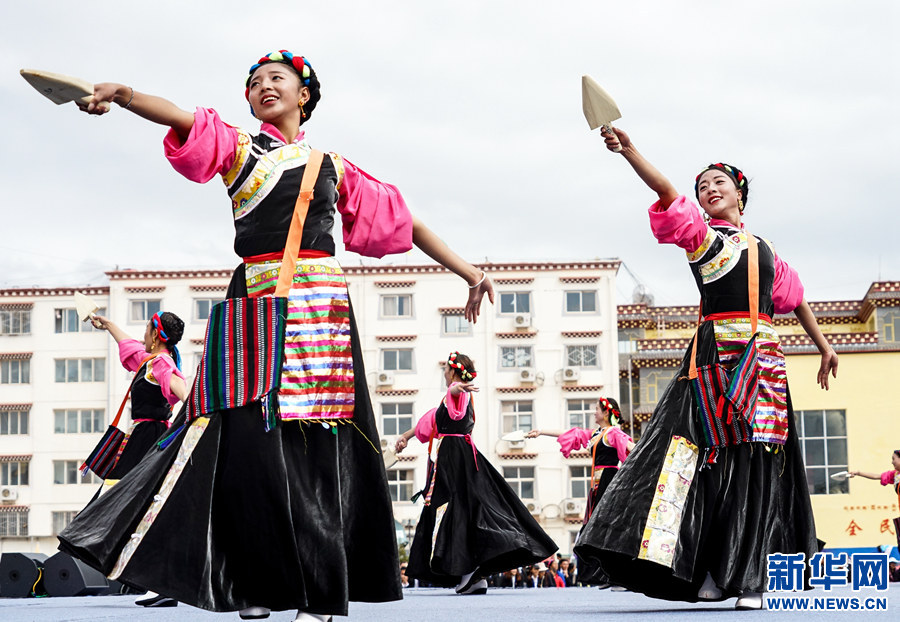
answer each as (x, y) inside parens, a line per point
(876, 476)
(150, 107)
(829, 362)
(535, 433)
(104, 323)
(479, 283)
(655, 180)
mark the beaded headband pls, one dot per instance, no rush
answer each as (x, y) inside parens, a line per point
(606, 405)
(297, 63)
(734, 172)
(464, 373)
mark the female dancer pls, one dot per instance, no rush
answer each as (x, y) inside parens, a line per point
(609, 446)
(299, 516)
(709, 492)
(473, 524)
(157, 386)
(888, 478)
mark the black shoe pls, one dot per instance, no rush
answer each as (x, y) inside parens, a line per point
(157, 601)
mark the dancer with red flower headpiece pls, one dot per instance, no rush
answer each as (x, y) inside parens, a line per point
(609, 446)
(473, 524)
(270, 494)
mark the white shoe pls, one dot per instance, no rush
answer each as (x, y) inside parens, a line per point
(465, 582)
(749, 601)
(479, 587)
(254, 613)
(305, 616)
(709, 590)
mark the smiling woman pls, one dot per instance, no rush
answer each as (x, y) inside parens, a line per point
(286, 512)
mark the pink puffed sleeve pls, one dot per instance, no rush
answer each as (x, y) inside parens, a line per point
(619, 440)
(161, 369)
(425, 426)
(573, 439)
(681, 224)
(131, 353)
(887, 478)
(787, 290)
(375, 218)
(208, 150)
(457, 404)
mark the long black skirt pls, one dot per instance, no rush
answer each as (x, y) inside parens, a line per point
(751, 502)
(295, 518)
(482, 526)
(141, 440)
(589, 571)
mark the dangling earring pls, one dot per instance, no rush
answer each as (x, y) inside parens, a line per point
(302, 111)
(740, 206)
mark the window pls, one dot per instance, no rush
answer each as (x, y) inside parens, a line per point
(15, 372)
(581, 302)
(517, 415)
(67, 321)
(396, 305)
(15, 321)
(581, 413)
(80, 370)
(13, 422)
(396, 418)
(579, 481)
(512, 357)
(400, 484)
(143, 310)
(824, 437)
(75, 421)
(889, 324)
(455, 325)
(582, 356)
(14, 523)
(67, 472)
(202, 307)
(515, 302)
(14, 473)
(61, 520)
(520, 479)
(397, 359)
(652, 383)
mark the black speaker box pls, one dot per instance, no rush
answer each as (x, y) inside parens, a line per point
(20, 573)
(66, 576)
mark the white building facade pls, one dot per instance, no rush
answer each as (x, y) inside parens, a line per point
(545, 351)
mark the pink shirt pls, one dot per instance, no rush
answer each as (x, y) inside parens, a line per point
(456, 407)
(161, 369)
(682, 224)
(375, 218)
(578, 438)
(888, 477)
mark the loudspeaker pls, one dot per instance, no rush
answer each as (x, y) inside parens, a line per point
(66, 576)
(20, 574)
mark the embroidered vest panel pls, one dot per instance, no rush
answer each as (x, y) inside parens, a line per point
(719, 267)
(263, 185)
(604, 456)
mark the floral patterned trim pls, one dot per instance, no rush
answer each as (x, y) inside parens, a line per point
(704, 246)
(726, 259)
(666, 511)
(438, 519)
(192, 437)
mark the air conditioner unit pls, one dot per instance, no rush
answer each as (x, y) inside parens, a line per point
(385, 378)
(533, 507)
(571, 373)
(8, 493)
(572, 507)
(526, 374)
(522, 320)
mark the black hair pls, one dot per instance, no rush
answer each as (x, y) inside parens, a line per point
(315, 94)
(173, 327)
(467, 364)
(615, 406)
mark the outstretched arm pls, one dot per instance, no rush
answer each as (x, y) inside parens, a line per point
(829, 363)
(866, 475)
(646, 171)
(535, 433)
(479, 283)
(150, 107)
(104, 323)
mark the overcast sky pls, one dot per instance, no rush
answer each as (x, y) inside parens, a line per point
(473, 109)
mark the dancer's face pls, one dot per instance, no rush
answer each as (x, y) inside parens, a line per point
(718, 195)
(601, 417)
(150, 337)
(275, 92)
(895, 460)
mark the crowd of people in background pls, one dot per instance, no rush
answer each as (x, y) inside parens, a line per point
(556, 571)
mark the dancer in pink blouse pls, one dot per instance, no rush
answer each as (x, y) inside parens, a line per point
(271, 512)
(717, 481)
(888, 478)
(473, 525)
(609, 446)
